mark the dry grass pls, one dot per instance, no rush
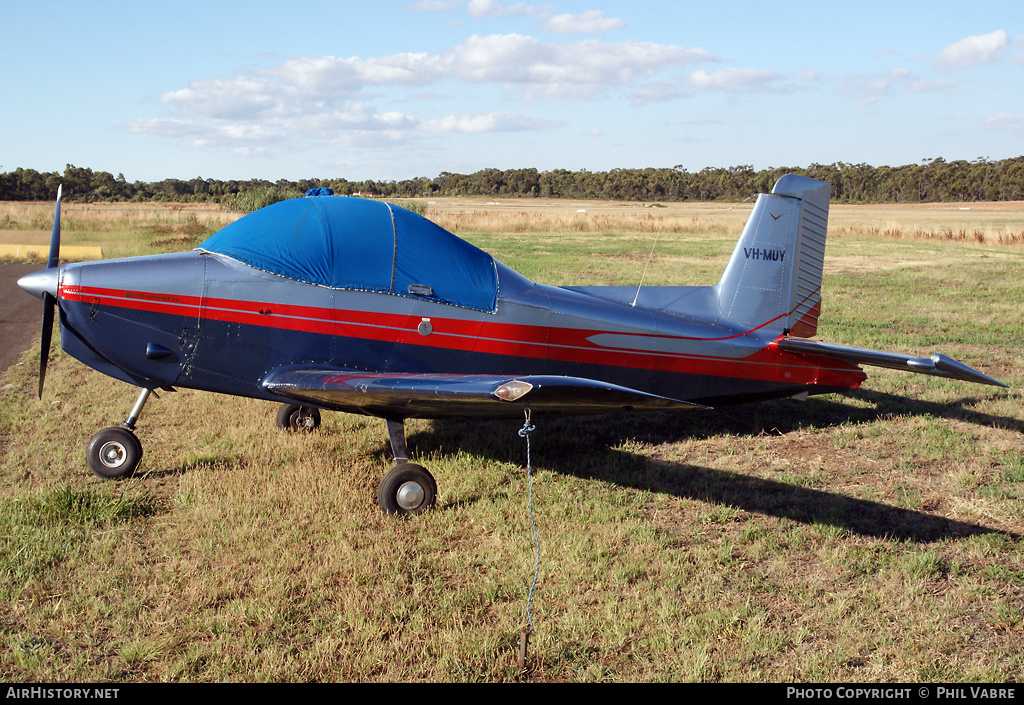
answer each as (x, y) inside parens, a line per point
(109, 216)
(120, 229)
(992, 224)
(561, 216)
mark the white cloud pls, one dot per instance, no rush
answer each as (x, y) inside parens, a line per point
(432, 6)
(321, 97)
(748, 80)
(1012, 125)
(490, 122)
(1017, 59)
(1005, 122)
(870, 88)
(972, 51)
(245, 140)
(178, 129)
(589, 22)
(353, 115)
(559, 70)
(1002, 119)
(493, 8)
(658, 92)
(216, 99)
(330, 75)
(563, 70)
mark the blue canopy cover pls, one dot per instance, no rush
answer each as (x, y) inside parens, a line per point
(354, 243)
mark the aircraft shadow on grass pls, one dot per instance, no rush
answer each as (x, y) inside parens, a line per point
(593, 449)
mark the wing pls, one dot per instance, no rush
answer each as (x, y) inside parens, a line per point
(937, 365)
(439, 396)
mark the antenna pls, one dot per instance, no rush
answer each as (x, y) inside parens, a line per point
(741, 203)
(651, 256)
(644, 275)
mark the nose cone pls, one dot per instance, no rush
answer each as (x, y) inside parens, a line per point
(42, 282)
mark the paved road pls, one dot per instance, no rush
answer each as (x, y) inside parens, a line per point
(20, 314)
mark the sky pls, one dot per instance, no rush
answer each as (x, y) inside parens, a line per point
(398, 89)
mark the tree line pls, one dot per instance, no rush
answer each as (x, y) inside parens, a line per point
(930, 181)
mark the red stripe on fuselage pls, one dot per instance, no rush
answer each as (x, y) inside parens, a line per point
(481, 336)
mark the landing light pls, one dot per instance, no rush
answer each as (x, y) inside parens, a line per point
(510, 391)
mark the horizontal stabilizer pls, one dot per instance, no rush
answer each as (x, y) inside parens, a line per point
(937, 365)
(440, 396)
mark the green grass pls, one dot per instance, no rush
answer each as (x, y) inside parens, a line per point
(864, 538)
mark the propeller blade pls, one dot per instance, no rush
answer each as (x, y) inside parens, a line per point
(49, 300)
(49, 304)
(54, 257)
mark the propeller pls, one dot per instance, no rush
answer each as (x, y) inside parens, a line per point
(49, 300)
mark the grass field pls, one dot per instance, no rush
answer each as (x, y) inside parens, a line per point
(875, 536)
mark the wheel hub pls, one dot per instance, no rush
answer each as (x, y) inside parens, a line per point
(410, 495)
(112, 454)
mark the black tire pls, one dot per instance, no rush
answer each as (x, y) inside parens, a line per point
(293, 417)
(407, 489)
(114, 453)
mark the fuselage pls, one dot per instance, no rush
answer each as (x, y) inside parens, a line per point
(205, 321)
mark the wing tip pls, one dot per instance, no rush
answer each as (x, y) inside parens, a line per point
(959, 370)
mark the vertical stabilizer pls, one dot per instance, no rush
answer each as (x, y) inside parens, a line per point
(773, 280)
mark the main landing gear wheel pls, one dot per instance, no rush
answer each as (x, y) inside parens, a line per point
(114, 453)
(407, 489)
(293, 417)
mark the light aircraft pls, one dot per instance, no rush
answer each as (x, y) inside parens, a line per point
(364, 307)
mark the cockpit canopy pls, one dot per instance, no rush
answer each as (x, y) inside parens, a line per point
(353, 243)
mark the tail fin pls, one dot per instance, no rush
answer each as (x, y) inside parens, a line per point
(773, 280)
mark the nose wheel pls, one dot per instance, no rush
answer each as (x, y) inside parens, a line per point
(114, 453)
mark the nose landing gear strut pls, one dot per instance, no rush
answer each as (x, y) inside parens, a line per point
(116, 452)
